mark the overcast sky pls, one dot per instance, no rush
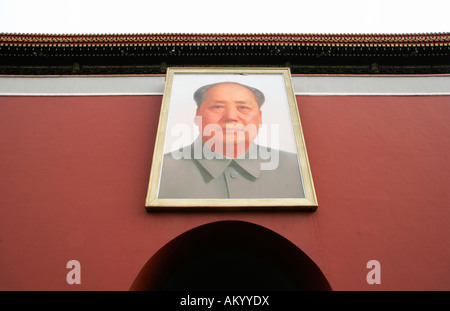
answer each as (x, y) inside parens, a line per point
(226, 16)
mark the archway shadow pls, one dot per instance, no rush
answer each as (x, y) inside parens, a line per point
(230, 255)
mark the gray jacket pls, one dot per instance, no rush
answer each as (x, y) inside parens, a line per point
(261, 173)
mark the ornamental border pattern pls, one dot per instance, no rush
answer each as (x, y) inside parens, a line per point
(437, 39)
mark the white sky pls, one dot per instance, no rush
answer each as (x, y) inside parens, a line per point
(226, 16)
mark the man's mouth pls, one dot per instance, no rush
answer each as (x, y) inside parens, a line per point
(231, 129)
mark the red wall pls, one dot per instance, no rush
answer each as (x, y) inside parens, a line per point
(74, 175)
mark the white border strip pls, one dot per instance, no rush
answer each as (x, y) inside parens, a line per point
(154, 85)
(372, 85)
(81, 86)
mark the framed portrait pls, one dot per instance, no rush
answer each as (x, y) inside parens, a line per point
(230, 138)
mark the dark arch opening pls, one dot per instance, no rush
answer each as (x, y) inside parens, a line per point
(230, 255)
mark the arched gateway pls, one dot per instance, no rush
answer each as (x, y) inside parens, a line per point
(230, 255)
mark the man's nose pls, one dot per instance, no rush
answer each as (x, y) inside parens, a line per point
(231, 113)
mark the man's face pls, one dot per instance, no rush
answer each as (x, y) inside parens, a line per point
(229, 116)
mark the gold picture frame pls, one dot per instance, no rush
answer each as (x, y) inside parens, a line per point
(190, 172)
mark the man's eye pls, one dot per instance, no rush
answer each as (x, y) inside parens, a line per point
(216, 107)
(243, 107)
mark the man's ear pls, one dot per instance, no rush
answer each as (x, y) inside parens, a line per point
(260, 118)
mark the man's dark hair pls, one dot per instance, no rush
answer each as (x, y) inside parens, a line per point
(200, 94)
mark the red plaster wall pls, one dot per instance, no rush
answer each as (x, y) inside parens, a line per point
(74, 174)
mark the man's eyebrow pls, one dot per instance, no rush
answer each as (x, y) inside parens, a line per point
(216, 101)
(243, 102)
(238, 102)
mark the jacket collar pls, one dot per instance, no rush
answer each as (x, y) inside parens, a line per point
(216, 164)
